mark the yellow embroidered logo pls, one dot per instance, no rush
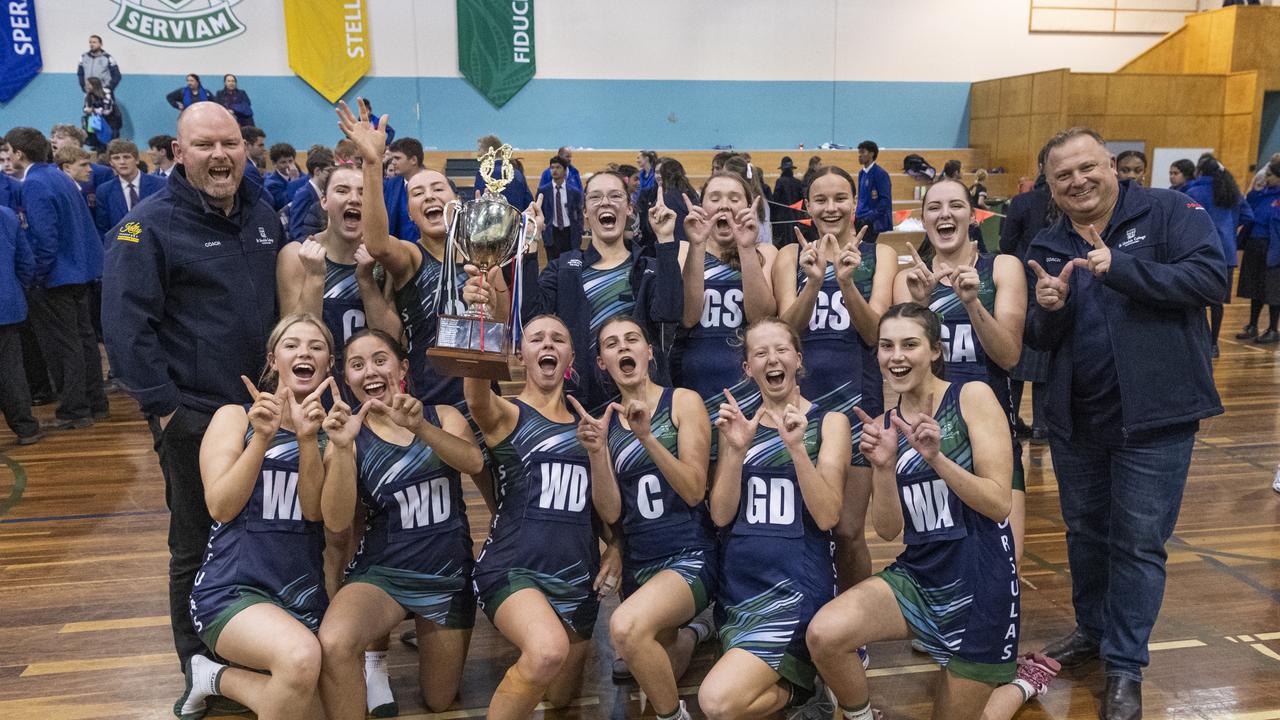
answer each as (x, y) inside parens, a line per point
(130, 232)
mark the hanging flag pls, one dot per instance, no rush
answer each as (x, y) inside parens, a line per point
(796, 205)
(981, 215)
(20, 54)
(900, 216)
(495, 46)
(328, 43)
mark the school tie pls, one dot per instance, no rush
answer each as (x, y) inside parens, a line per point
(559, 213)
(133, 196)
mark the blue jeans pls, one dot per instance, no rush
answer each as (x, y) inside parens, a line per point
(1120, 504)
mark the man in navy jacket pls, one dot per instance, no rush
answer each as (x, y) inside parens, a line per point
(68, 259)
(564, 224)
(574, 178)
(188, 300)
(875, 193)
(117, 196)
(1120, 286)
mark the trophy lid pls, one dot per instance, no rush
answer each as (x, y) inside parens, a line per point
(495, 185)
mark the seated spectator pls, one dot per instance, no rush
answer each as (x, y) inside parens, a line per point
(17, 268)
(306, 217)
(236, 100)
(160, 150)
(573, 179)
(102, 120)
(118, 197)
(185, 96)
(284, 161)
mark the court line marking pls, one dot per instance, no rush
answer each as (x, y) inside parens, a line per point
(19, 483)
(117, 624)
(88, 516)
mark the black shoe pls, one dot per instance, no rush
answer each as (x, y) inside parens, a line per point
(1269, 337)
(1073, 651)
(31, 439)
(38, 400)
(1122, 699)
(69, 424)
(621, 673)
(1248, 333)
(1021, 429)
(1039, 435)
(1213, 351)
(410, 638)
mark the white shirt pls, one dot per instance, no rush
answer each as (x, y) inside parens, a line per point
(563, 193)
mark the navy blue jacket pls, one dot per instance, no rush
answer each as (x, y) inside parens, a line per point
(395, 193)
(572, 178)
(1273, 236)
(573, 198)
(306, 217)
(1263, 204)
(16, 268)
(1166, 266)
(659, 295)
(517, 191)
(1225, 220)
(189, 297)
(111, 206)
(277, 186)
(66, 243)
(10, 192)
(875, 198)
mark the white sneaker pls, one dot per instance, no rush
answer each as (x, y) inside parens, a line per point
(1275, 484)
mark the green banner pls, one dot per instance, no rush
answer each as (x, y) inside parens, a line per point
(495, 46)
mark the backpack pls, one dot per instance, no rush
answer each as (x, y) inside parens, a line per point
(918, 168)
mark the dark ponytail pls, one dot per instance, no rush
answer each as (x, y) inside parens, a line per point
(1226, 193)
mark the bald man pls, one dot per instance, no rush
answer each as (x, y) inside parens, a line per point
(188, 300)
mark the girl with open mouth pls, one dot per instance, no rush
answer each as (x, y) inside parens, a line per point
(982, 302)
(539, 572)
(941, 471)
(405, 463)
(259, 596)
(777, 494)
(649, 469)
(832, 292)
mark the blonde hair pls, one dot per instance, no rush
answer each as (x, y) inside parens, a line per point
(270, 377)
(69, 155)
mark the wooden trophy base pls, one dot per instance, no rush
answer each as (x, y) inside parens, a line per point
(458, 352)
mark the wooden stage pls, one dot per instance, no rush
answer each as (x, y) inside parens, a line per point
(84, 627)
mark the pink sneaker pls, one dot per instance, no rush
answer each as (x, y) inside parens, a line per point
(1035, 672)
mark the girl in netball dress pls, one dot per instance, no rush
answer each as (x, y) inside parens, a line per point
(941, 465)
(649, 470)
(259, 596)
(777, 493)
(415, 556)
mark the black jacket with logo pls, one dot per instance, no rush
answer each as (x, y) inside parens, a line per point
(189, 296)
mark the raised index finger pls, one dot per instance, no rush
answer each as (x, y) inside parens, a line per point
(248, 385)
(577, 407)
(1039, 271)
(315, 394)
(733, 402)
(1093, 238)
(915, 255)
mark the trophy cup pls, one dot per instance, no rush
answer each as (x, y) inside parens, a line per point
(487, 232)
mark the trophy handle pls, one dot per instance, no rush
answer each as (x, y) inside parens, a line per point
(452, 234)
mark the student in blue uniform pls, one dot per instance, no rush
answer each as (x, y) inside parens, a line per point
(1259, 270)
(649, 455)
(875, 193)
(1215, 188)
(415, 553)
(584, 288)
(539, 572)
(832, 292)
(982, 301)
(776, 494)
(259, 596)
(726, 290)
(942, 464)
(1181, 172)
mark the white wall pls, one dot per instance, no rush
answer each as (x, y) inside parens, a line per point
(823, 40)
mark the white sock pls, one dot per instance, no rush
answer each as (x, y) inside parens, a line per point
(376, 681)
(1028, 692)
(862, 713)
(205, 675)
(702, 630)
(680, 714)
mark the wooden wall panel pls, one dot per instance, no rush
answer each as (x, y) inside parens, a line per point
(1191, 131)
(1257, 44)
(1195, 45)
(984, 99)
(1240, 93)
(1040, 129)
(983, 133)
(1137, 94)
(1136, 127)
(1048, 92)
(1239, 140)
(1088, 93)
(1222, 29)
(1195, 94)
(1012, 143)
(1015, 95)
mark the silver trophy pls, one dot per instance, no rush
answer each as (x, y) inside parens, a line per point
(488, 232)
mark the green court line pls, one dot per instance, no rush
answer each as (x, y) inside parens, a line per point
(19, 483)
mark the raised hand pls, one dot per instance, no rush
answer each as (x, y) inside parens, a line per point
(1051, 292)
(308, 415)
(920, 279)
(1098, 260)
(746, 227)
(341, 426)
(662, 219)
(364, 262)
(879, 444)
(593, 432)
(312, 256)
(925, 435)
(404, 410)
(736, 431)
(966, 283)
(849, 259)
(267, 411)
(478, 290)
(811, 259)
(637, 416)
(792, 428)
(370, 141)
(534, 213)
(697, 224)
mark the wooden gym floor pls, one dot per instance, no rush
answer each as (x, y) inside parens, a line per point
(84, 627)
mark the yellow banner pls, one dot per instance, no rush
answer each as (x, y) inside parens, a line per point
(328, 43)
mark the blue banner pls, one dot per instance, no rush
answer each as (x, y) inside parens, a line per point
(20, 51)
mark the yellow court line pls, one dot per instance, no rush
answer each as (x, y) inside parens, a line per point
(1174, 645)
(1267, 636)
(112, 663)
(117, 624)
(1266, 651)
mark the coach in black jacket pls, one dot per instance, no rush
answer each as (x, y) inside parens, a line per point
(1121, 282)
(188, 300)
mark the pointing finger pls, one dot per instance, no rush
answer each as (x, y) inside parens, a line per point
(866, 419)
(915, 255)
(253, 390)
(577, 407)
